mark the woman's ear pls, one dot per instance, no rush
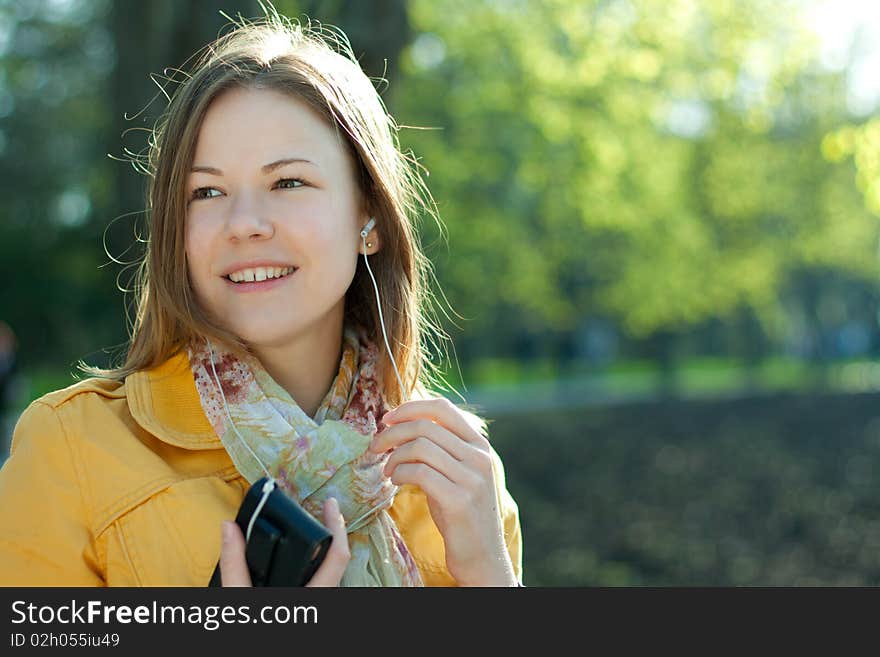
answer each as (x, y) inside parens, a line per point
(374, 244)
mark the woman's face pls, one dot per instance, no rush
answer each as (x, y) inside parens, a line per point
(274, 217)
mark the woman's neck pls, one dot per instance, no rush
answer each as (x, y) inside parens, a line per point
(306, 367)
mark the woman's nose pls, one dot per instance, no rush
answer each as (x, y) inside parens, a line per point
(248, 219)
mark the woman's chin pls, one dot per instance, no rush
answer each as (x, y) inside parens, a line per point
(269, 331)
(259, 339)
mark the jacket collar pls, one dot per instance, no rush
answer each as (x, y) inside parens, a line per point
(165, 402)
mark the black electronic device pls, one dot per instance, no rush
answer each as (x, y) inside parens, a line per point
(286, 545)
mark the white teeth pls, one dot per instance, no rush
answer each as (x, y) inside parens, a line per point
(259, 274)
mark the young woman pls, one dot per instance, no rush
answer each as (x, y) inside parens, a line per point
(281, 317)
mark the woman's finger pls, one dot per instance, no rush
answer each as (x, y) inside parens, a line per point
(399, 434)
(233, 565)
(424, 450)
(466, 426)
(330, 571)
(435, 485)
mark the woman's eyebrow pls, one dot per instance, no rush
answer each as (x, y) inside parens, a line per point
(267, 168)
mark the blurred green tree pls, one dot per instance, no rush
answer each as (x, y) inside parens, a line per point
(655, 163)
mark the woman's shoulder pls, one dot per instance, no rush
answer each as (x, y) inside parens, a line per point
(86, 391)
(122, 396)
(88, 397)
(96, 434)
(157, 403)
(57, 416)
(49, 435)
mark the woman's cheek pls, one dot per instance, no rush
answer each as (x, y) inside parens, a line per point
(197, 248)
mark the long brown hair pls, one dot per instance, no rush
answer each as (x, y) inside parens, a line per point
(314, 64)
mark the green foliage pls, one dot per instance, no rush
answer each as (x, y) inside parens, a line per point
(862, 144)
(657, 163)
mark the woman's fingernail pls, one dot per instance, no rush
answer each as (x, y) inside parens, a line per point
(337, 511)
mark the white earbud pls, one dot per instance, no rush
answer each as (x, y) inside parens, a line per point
(368, 227)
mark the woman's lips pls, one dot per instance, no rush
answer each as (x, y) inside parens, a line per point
(259, 286)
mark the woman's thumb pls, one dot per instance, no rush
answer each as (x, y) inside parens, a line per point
(233, 565)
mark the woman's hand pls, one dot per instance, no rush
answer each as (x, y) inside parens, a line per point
(437, 449)
(233, 565)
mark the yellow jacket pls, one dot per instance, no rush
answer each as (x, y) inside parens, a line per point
(126, 484)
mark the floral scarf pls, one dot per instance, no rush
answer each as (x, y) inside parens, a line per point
(314, 459)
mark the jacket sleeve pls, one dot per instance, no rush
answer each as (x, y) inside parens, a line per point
(45, 536)
(509, 517)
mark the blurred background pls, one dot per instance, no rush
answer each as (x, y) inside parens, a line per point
(662, 239)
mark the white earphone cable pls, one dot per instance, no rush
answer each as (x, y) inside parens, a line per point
(364, 234)
(270, 483)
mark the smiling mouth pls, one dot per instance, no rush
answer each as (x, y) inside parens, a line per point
(258, 274)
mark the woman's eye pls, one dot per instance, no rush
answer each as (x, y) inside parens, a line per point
(211, 192)
(201, 192)
(283, 183)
